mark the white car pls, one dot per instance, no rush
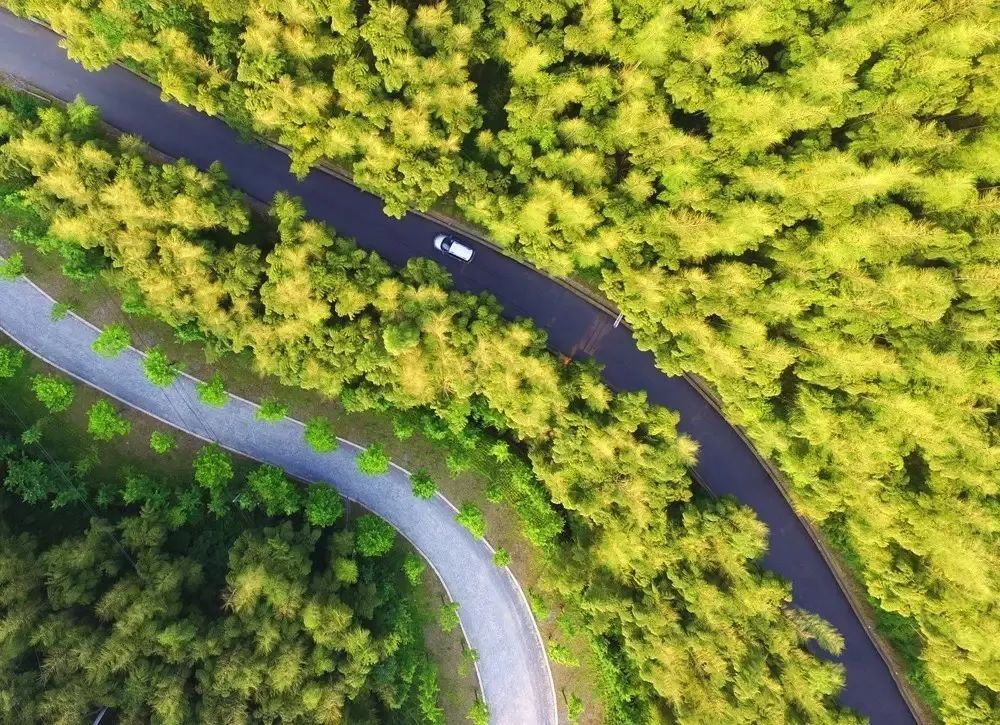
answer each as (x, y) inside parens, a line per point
(450, 245)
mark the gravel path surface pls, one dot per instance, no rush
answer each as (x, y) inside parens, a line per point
(513, 670)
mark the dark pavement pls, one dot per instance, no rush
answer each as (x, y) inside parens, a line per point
(726, 465)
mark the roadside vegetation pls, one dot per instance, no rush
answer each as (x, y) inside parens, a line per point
(123, 585)
(650, 573)
(797, 201)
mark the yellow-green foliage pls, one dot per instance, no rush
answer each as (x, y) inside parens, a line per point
(654, 576)
(796, 200)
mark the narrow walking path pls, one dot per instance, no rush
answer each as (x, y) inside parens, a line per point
(513, 669)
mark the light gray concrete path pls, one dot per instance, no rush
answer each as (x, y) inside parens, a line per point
(513, 670)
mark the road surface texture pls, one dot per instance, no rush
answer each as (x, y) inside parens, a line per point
(513, 670)
(727, 464)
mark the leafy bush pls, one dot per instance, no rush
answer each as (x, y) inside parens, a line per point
(112, 341)
(479, 713)
(324, 506)
(448, 617)
(60, 310)
(56, 394)
(501, 557)
(560, 654)
(373, 460)
(11, 361)
(104, 423)
(319, 435)
(271, 410)
(159, 370)
(414, 566)
(272, 488)
(373, 536)
(162, 442)
(470, 517)
(423, 485)
(12, 267)
(213, 391)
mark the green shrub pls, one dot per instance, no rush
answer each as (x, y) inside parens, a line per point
(12, 267)
(213, 470)
(472, 519)
(319, 435)
(213, 391)
(501, 557)
(60, 310)
(159, 370)
(324, 505)
(373, 460)
(11, 361)
(113, 341)
(272, 488)
(271, 410)
(373, 536)
(479, 713)
(422, 484)
(162, 442)
(448, 617)
(104, 423)
(56, 394)
(414, 566)
(561, 654)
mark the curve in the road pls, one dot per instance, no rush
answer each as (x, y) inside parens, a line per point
(513, 669)
(727, 465)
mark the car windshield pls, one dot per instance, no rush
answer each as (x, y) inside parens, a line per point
(446, 244)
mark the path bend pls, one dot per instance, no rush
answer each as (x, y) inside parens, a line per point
(513, 669)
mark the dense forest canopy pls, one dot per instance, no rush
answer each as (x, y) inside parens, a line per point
(796, 200)
(654, 575)
(136, 593)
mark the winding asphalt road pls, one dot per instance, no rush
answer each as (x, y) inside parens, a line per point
(726, 466)
(513, 669)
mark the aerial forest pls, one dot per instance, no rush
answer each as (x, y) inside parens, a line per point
(130, 591)
(654, 573)
(796, 201)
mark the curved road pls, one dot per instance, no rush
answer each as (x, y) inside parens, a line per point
(513, 669)
(727, 465)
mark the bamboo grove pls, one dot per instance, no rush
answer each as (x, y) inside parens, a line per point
(796, 200)
(655, 576)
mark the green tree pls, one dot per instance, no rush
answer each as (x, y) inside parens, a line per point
(161, 442)
(448, 617)
(373, 460)
(112, 341)
(160, 371)
(479, 713)
(423, 485)
(472, 519)
(55, 393)
(104, 422)
(272, 488)
(11, 361)
(501, 557)
(373, 536)
(12, 267)
(413, 567)
(213, 471)
(324, 506)
(271, 410)
(213, 391)
(320, 436)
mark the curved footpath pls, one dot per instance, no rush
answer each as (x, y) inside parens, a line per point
(513, 670)
(727, 465)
